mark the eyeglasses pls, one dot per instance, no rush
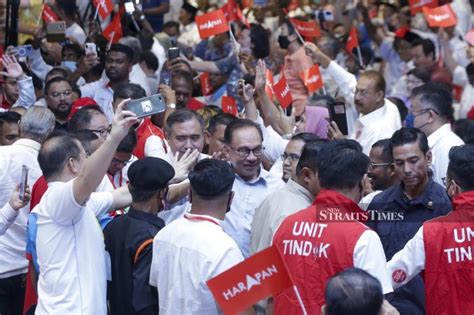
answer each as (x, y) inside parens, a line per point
(117, 161)
(375, 165)
(245, 152)
(424, 111)
(65, 93)
(362, 92)
(291, 156)
(102, 132)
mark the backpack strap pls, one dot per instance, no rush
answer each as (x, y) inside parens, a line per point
(141, 248)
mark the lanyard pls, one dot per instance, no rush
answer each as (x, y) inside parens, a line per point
(194, 217)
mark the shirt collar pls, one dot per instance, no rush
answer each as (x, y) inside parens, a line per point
(442, 131)
(148, 217)
(202, 218)
(464, 202)
(424, 199)
(300, 190)
(262, 177)
(339, 206)
(28, 143)
(376, 115)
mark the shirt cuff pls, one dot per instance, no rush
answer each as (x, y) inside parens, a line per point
(9, 213)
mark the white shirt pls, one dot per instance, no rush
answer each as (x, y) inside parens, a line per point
(71, 252)
(189, 35)
(187, 253)
(467, 98)
(103, 94)
(13, 234)
(247, 197)
(440, 142)
(76, 32)
(139, 77)
(377, 125)
(396, 66)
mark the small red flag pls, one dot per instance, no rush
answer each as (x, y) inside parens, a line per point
(194, 104)
(308, 29)
(269, 83)
(282, 92)
(228, 105)
(211, 24)
(352, 40)
(442, 16)
(416, 6)
(113, 31)
(470, 37)
(105, 7)
(232, 12)
(312, 78)
(48, 14)
(255, 278)
(205, 84)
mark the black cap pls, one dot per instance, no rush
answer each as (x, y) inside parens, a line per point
(150, 174)
(190, 6)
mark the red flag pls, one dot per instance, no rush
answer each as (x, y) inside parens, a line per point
(352, 40)
(255, 278)
(294, 4)
(312, 78)
(441, 16)
(416, 6)
(48, 14)
(211, 24)
(105, 7)
(205, 84)
(232, 12)
(307, 29)
(470, 37)
(282, 92)
(269, 83)
(228, 105)
(194, 104)
(113, 31)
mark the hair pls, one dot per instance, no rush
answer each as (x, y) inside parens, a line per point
(86, 137)
(461, 166)
(220, 119)
(427, 46)
(129, 90)
(408, 135)
(81, 119)
(55, 153)
(240, 124)
(150, 60)
(171, 24)
(464, 128)
(315, 98)
(211, 179)
(37, 123)
(207, 113)
(60, 71)
(310, 153)
(47, 87)
(69, 7)
(341, 164)
(9, 118)
(330, 44)
(436, 96)
(260, 40)
(379, 81)
(75, 47)
(305, 137)
(353, 292)
(366, 54)
(470, 69)
(421, 73)
(128, 143)
(184, 75)
(139, 195)
(384, 144)
(123, 49)
(181, 116)
(134, 44)
(402, 109)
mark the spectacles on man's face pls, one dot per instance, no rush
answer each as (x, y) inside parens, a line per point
(124, 162)
(65, 93)
(292, 156)
(375, 165)
(244, 152)
(102, 132)
(416, 113)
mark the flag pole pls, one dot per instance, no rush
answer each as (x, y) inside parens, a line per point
(294, 27)
(97, 10)
(300, 301)
(40, 17)
(359, 54)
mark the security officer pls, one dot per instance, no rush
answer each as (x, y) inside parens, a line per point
(129, 239)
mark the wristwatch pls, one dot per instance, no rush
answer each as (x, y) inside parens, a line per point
(171, 106)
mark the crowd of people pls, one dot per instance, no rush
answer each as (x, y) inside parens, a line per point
(119, 214)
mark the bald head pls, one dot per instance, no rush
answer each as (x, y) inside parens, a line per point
(55, 154)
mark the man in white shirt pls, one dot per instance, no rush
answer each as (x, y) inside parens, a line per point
(118, 65)
(189, 35)
(69, 241)
(66, 10)
(36, 124)
(193, 249)
(137, 75)
(243, 139)
(432, 110)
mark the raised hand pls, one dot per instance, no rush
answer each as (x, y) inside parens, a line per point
(123, 120)
(12, 67)
(16, 202)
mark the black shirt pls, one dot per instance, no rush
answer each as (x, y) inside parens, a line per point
(129, 291)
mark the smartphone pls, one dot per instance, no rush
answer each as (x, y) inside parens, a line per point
(23, 182)
(56, 32)
(129, 7)
(165, 78)
(22, 51)
(91, 48)
(147, 106)
(337, 113)
(173, 53)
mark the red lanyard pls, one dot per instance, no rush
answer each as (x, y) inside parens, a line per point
(194, 217)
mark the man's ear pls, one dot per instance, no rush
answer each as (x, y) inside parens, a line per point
(306, 174)
(429, 157)
(226, 149)
(207, 137)
(380, 96)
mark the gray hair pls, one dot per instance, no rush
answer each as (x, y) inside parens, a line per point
(37, 123)
(329, 45)
(134, 44)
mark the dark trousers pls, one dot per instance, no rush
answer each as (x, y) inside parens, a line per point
(12, 295)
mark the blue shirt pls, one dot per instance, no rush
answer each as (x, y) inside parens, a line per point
(156, 21)
(206, 51)
(394, 234)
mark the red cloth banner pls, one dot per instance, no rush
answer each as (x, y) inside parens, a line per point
(442, 16)
(212, 23)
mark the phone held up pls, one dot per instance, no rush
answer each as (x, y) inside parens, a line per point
(147, 106)
(337, 113)
(23, 182)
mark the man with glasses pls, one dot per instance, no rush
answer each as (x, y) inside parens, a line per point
(399, 211)
(243, 139)
(122, 160)
(59, 98)
(90, 118)
(431, 112)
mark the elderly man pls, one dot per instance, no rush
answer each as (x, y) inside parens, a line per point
(36, 124)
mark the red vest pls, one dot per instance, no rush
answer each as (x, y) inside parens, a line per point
(145, 130)
(449, 264)
(315, 247)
